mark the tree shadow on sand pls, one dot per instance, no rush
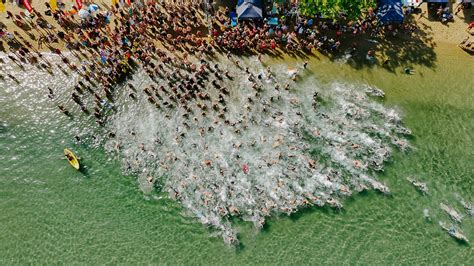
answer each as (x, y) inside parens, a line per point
(468, 14)
(407, 48)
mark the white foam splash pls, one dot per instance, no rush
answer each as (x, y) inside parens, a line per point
(348, 133)
(274, 155)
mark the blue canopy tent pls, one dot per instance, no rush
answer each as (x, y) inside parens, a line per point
(249, 9)
(233, 19)
(433, 6)
(390, 11)
(434, 3)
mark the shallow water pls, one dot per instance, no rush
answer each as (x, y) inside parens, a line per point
(102, 216)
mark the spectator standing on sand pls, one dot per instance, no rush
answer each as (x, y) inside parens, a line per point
(470, 27)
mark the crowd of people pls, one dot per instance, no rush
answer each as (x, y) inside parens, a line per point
(169, 42)
(189, 25)
(291, 33)
(119, 45)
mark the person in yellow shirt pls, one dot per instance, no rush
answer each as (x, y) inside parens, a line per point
(2, 7)
(53, 4)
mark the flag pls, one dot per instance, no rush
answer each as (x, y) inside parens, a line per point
(53, 4)
(128, 2)
(79, 4)
(27, 5)
(2, 7)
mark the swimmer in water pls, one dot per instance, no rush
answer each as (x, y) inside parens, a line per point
(150, 179)
(51, 93)
(294, 75)
(315, 99)
(226, 73)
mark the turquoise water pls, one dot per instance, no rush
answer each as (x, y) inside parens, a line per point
(51, 213)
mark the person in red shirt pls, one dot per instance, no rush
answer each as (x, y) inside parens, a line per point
(470, 27)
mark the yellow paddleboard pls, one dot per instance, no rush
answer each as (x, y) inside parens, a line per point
(72, 158)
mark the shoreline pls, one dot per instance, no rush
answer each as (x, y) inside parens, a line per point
(430, 32)
(142, 147)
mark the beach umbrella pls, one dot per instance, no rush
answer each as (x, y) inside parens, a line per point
(93, 8)
(83, 14)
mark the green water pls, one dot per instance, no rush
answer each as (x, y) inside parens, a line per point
(50, 213)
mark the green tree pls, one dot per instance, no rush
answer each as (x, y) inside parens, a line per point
(352, 9)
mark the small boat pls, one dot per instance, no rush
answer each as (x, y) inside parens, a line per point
(72, 159)
(453, 232)
(421, 186)
(453, 214)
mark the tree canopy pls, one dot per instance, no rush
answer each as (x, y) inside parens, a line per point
(352, 9)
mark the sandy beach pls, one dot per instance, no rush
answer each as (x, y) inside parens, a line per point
(431, 31)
